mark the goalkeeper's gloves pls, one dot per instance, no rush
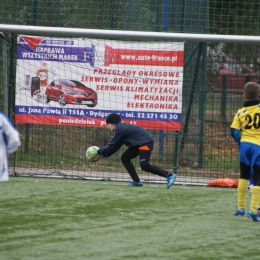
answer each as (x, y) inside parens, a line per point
(96, 152)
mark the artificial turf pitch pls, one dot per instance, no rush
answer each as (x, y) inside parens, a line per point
(55, 219)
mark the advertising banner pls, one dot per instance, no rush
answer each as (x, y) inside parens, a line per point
(78, 82)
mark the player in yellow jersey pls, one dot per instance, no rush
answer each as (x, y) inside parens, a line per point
(245, 129)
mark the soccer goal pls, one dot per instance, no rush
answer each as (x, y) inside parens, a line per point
(68, 80)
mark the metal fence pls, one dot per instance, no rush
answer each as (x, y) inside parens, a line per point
(214, 76)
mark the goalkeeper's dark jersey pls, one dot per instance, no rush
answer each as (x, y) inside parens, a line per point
(129, 135)
(247, 120)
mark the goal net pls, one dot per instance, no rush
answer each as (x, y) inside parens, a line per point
(65, 87)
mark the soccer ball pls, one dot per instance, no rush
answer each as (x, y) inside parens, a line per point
(90, 154)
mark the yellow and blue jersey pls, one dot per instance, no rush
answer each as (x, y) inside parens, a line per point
(247, 121)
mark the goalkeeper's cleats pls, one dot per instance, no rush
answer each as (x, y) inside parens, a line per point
(136, 184)
(253, 216)
(170, 180)
(240, 212)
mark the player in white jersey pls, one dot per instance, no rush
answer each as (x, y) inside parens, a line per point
(9, 143)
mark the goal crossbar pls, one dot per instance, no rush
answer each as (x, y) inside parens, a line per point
(97, 33)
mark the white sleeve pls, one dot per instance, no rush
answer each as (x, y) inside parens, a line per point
(11, 134)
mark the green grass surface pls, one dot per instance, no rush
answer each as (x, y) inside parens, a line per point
(74, 219)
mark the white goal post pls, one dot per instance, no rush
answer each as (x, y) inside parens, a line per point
(23, 29)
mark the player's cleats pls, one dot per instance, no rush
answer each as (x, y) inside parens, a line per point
(132, 183)
(240, 212)
(253, 216)
(170, 180)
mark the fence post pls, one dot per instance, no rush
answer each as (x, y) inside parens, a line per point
(176, 145)
(5, 74)
(202, 101)
(11, 77)
(224, 100)
(165, 29)
(27, 126)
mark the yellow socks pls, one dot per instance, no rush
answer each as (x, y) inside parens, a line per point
(241, 196)
(241, 193)
(255, 199)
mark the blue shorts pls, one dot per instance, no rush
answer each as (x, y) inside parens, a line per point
(249, 154)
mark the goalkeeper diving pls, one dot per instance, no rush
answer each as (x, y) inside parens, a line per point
(139, 142)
